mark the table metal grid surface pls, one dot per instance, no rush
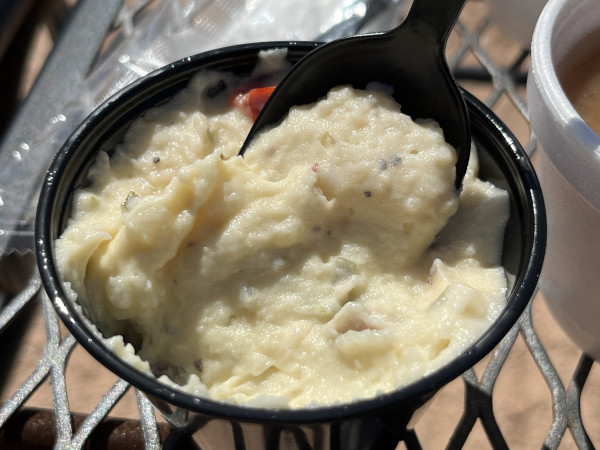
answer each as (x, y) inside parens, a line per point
(21, 425)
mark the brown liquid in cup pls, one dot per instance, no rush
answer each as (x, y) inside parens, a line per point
(580, 77)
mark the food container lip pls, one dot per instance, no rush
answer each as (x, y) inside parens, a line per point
(525, 284)
(544, 71)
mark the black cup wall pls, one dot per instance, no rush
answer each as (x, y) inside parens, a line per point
(377, 423)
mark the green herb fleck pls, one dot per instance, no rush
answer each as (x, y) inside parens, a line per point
(127, 203)
(344, 268)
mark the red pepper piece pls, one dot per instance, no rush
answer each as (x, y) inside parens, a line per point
(257, 99)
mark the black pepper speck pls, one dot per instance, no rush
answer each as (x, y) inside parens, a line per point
(395, 160)
(367, 193)
(215, 90)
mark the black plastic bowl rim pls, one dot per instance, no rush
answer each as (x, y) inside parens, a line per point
(482, 118)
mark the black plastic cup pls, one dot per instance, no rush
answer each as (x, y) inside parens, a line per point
(375, 423)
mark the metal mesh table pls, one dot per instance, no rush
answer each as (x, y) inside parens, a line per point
(46, 372)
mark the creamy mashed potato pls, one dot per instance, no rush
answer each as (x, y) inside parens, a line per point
(334, 261)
